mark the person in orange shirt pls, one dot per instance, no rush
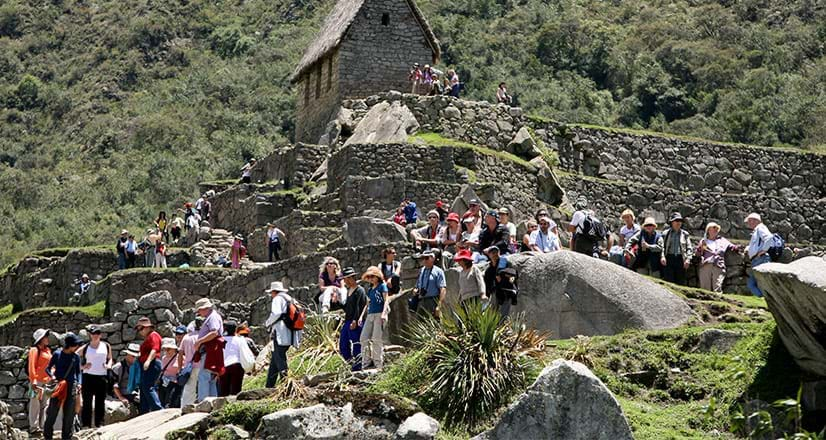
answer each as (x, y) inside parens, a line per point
(39, 357)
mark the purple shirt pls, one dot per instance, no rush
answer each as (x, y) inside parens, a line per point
(213, 322)
(715, 251)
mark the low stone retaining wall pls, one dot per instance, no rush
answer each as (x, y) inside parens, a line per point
(243, 208)
(305, 231)
(14, 383)
(20, 331)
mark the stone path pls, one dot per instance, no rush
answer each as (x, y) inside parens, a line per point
(151, 426)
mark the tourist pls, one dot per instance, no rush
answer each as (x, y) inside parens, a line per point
(438, 87)
(96, 360)
(677, 251)
(474, 213)
(645, 248)
(246, 171)
(38, 360)
(502, 96)
(372, 322)
(712, 251)
(177, 225)
(162, 223)
(758, 249)
(431, 285)
(471, 279)
(543, 239)
(179, 333)
(470, 238)
(455, 85)
(244, 330)
(206, 207)
(399, 218)
(505, 220)
(188, 364)
(427, 80)
(587, 230)
(426, 237)
(209, 349)
(83, 289)
(122, 372)
(329, 284)
(451, 233)
(525, 244)
(440, 208)
(494, 233)
(64, 366)
(282, 336)
(237, 252)
(411, 216)
(229, 384)
(147, 248)
(120, 247)
(392, 270)
(160, 254)
(415, 77)
(274, 237)
(169, 391)
(627, 230)
(349, 340)
(150, 363)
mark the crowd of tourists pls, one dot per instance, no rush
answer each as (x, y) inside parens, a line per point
(430, 81)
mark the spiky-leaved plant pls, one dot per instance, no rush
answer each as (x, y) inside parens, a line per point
(477, 362)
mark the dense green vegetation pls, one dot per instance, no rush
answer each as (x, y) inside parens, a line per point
(113, 110)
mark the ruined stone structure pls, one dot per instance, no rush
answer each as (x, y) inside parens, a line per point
(364, 47)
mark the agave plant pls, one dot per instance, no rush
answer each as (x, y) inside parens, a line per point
(477, 361)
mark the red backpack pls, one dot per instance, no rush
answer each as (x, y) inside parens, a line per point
(295, 316)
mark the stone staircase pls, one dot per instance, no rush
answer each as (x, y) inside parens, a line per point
(217, 242)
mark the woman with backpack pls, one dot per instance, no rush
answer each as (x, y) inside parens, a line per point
(371, 320)
(39, 357)
(229, 383)
(96, 360)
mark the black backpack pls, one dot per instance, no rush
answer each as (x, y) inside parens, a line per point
(593, 229)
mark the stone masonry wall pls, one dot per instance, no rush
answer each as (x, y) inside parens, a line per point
(14, 383)
(243, 208)
(293, 164)
(20, 331)
(318, 94)
(305, 230)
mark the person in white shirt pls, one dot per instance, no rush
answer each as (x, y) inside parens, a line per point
(275, 237)
(229, 384)
(543, 239)
(246, 171)
(96, 357)
(282, 337)
(758, 250)
(185, 354)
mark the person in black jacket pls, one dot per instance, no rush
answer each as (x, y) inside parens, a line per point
(494, 234)
(349, 344)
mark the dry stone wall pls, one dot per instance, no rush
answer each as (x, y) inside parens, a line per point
(20, 331)
(14, 383)
(305, 231)
(243, 208)
(293, 164)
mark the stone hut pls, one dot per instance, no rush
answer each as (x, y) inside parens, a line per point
(365, 47)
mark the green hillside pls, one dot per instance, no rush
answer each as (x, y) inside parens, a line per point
(112, 110)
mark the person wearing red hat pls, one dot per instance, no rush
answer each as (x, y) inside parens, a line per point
(471, 279)
(440, 208)
(451, 233)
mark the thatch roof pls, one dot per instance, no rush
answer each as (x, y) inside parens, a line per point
(335, 28)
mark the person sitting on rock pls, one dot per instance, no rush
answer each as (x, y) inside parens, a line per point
(426, 237)
(474, 211)
(677, 251)
(543, 239)
(525, 244)
(121, 371)
(626, 231)
(470, 238)
(440, 208)
(505, 220)
(411, 216)
(274, 238)
(399, 218)
(372, 320)
(712, 251)
(502, 96)
(450, 234)
(329, 284)
(246, 171)
(645, 248)
(349, 340)
(84, 288)
(494, 234)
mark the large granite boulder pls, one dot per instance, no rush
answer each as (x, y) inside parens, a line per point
(572, 294)
(385, 123)
(317, 422)
(419, 426)
(359, 231)
(566, 402)
(796, 296)
(523, 144)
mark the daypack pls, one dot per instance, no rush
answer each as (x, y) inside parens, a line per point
(593, 228)
(295, 316)
(777, 247)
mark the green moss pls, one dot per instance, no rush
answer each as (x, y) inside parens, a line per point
(95, 310)
(437, 140)
(248, 414)
(657, 422)
(5, 312)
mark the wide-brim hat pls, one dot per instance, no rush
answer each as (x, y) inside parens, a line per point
(277, 286)
(94, 330)
(124, 232)
(453, 217)
(649, 221)
(433, 213)
(133, 349)
(627, 212)
(143, 322)
(239, 237)
(675, 217)
(463, 254)
(754, 216)
(39, 334)
(426, 254)
(712, 225)
(168, 343)
(492, 213)
(348, 272)
(372, 271)
(504, 210)
(203, 303)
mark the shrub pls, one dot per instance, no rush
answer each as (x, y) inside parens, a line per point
(27, 93)
(476, 362)
(230, 41)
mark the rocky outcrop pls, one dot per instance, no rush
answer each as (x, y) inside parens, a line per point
(523, 144)
(419, 426)
(796, 296)
(7, 429)
(385, 123)
(566, 402)
(572, 294)
(156, 425)
(360, 231)
(317, 422)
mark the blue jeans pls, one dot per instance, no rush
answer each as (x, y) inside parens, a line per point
(752, 282)
(121, 261)
(278, 363)
(207, 384)
(149, 388)
(349, 345)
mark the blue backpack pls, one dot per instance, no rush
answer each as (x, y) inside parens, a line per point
(777, 247)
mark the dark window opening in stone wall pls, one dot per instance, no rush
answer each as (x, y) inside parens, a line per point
(385, 19)
(318, 83)
(329, 73)
(307, 89)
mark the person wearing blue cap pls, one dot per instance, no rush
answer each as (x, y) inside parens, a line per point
(64, 365)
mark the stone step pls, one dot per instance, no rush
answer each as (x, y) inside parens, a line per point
(150, 426)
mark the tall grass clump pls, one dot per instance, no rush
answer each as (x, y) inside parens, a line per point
(476, 362)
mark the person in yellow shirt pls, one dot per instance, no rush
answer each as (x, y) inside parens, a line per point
(39, 357)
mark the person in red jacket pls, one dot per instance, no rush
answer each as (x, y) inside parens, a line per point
(150, 362)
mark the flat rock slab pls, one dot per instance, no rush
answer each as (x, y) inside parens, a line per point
(151, 426)
(385, 123)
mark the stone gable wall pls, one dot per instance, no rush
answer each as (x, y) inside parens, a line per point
(313, 110)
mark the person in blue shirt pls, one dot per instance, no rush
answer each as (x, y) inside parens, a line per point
(431, 285)
(758, 250)
(410, 214)
(372, 344)
(65, 365)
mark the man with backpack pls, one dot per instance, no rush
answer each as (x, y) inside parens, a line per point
(677, 251)
(121, 372)
(287, 322)
(761, 245)
(587, 229)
